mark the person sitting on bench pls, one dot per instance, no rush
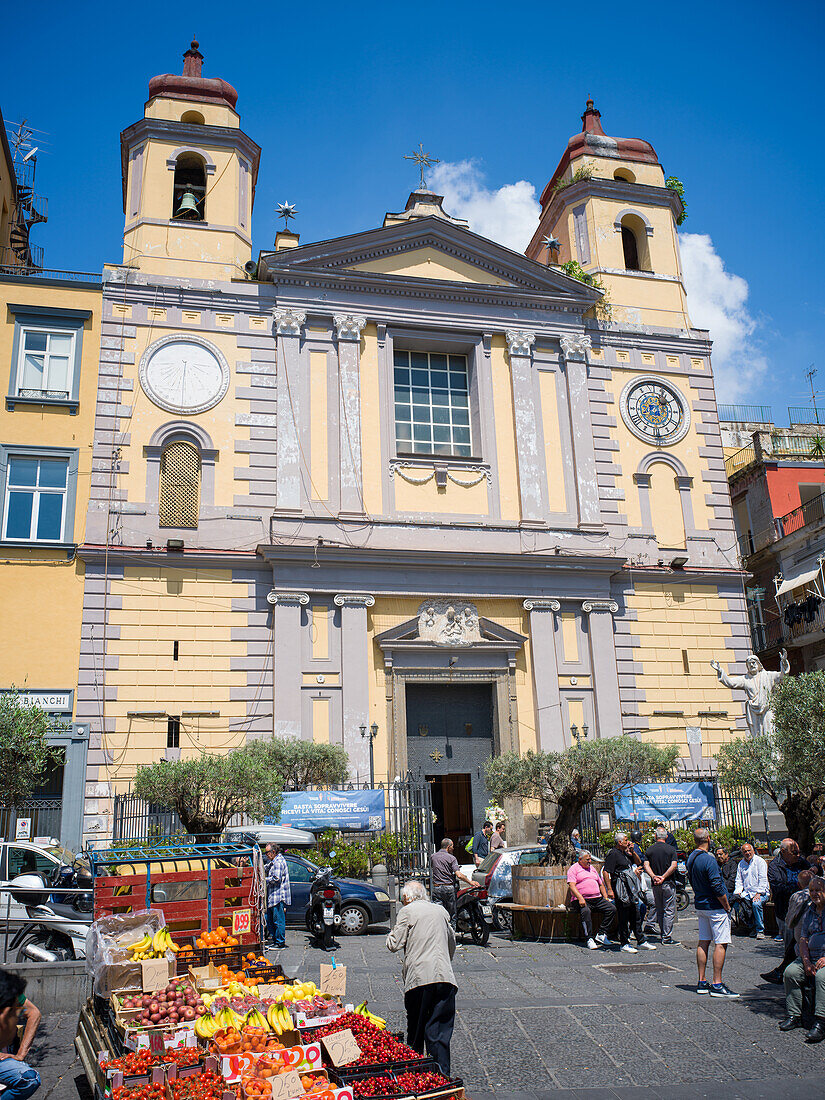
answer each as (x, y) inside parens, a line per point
(589, 893)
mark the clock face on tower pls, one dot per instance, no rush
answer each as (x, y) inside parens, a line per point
(184, 374)
(655, 410)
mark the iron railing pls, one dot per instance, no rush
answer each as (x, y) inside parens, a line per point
(10, 264)
(739, 460)
(767, 635)
(812, 511)
(746, 414)
(44, 813)
(803, 618)
(798, 414)
(794, 445)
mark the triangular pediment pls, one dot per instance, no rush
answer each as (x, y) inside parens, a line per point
(429, 251)
(491, 634)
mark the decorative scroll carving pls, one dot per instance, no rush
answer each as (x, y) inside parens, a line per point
(520, 343)
(398, 467)
(448, 623)
(354, 599)
(349, 325)
(285, 599)
(541, 605)
(575, 347)
(289, 322)
(600, 605)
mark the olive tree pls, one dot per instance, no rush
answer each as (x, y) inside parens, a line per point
(24, 750)
(788, 764)
(302, 764)
(575, 777)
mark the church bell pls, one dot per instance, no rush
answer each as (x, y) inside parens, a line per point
(188, 206)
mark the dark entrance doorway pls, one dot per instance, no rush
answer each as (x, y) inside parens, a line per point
(449, 740)
(452, 797)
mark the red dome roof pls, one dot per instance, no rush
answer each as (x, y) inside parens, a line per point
(191, 85)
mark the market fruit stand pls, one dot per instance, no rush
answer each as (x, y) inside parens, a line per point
(171, 1020)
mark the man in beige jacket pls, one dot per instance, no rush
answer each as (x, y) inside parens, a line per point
(423, 931)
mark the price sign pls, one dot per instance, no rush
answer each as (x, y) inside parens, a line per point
(156, 1044)
(333, 980)
(342, 1047)
(285, 1086)
(241, 921)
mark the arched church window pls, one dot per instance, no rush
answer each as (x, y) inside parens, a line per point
(631, 251)
(180, 485)
(624, 174)
(634, 243)
(189, 190)
(194, 117)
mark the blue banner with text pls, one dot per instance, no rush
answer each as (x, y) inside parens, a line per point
(667, 802)
(354, 811)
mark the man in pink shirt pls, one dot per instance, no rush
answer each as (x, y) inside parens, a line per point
(588, 894)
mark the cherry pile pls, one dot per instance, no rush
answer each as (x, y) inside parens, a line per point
(420, 1082)
(375, 1086)
(376, 1044)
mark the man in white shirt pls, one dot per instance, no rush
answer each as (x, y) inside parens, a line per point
(752, 883)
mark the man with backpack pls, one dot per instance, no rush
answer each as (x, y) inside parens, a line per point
(710, 899)
(624, 888)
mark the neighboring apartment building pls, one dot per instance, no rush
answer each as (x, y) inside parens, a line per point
(403, 477)
(49, 351)
(777, 483)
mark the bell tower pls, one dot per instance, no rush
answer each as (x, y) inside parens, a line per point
(189, 175)
(608, 206)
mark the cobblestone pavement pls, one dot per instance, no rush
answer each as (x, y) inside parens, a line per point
(546, 1020)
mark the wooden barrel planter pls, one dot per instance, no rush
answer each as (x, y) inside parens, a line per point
(540, 886)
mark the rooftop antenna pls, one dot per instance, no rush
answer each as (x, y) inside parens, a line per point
(810, 376)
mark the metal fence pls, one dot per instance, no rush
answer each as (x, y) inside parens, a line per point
(800, 414)
(43, 813)
(746, 414)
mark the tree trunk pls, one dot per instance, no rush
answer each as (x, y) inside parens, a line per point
(560, 847)
(803, 814)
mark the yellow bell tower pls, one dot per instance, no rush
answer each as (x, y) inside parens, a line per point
(609, 209)
(189, 175)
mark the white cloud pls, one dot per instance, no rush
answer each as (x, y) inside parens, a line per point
(717, 299)
(508, 215)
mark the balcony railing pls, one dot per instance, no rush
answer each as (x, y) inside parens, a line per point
(801, 619)
(813, 511)
(746, 414)
(739, 460)
(799, 414)
(767, 635)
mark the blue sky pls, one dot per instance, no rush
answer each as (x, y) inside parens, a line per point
(336, 94)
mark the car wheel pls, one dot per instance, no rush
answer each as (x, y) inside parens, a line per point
(502, 919)
(354, 920)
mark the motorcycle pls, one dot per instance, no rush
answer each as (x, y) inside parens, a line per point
(58, 922)
(473, 914)
(680, 884)
(323, 914)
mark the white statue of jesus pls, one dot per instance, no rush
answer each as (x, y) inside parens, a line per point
(758, 684)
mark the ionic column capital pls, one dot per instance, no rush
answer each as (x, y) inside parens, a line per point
(354, 599)
(287, 599)
(589, 606)
(520, 343)
(541, 605)
(289, 322)
(349, 325)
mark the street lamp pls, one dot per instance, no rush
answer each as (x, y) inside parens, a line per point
(373, 731)
(574, 730)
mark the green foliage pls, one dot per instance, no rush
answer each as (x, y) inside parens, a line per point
(789, 764)
(356, 858)
(585, 171)
(603, 308)
(302, 764)
(818, 446)
(24, 751)
(674, 184)
(206, 791)
(575, 777)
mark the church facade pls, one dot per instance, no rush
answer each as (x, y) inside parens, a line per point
(405, 484)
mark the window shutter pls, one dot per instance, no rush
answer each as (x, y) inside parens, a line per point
(180, 486)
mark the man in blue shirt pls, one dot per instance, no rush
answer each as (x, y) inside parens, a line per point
(710, 899)
(481, 842)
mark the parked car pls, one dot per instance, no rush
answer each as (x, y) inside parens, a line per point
(495, 873)
(21, 857)
(362, 904)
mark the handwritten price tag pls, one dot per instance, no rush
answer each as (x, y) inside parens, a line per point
(156, 1044)
(333, 980)
(285, 1086)
(342, 1047)
(241, 921)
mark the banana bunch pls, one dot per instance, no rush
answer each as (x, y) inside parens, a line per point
(278, 1019)
(206, 1026)
(152, 947)
(376, 1021)
(256, 1018)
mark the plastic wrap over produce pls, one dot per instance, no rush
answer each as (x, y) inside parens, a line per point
(107, 956)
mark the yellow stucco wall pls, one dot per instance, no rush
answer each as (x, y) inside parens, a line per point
(157, 608)
(430, 263)
(173, 107)
(687, 617)
(41, 590)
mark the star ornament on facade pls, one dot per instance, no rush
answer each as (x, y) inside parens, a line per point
(286, 210)
(436, 756)
(551, 244)
(423, 160)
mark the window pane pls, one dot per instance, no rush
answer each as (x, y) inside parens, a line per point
(58, 374)
(461, 435)
(439, 378)
(421, 378)
(32, 373)
(423, 448)
(402, 412)
(421, 414)
(441, 415)
(403, 433)
(421, 433)
(36, 341)
(50, 518)
(440, 397)
(53, 472)
(461, 416)
(458, 381)
(60, 344)
(19, 516)
(402, 377)
(419, 359)
(441, 433)
(458, 399)
(22, 471)
(401, 358)
(458, 362)
(461, 450)
(438, 362)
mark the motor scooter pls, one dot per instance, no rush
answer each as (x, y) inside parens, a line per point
(58, 922)
(323, 914)
(473, 913)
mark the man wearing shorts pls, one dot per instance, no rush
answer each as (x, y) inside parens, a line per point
(710, 899)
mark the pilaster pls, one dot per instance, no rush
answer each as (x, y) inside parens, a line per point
(349, 327)
(355, 678)
(574, 351)
(288, 324)
(545, 673)
(603, 663)
(286, 623)
(520, 348)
